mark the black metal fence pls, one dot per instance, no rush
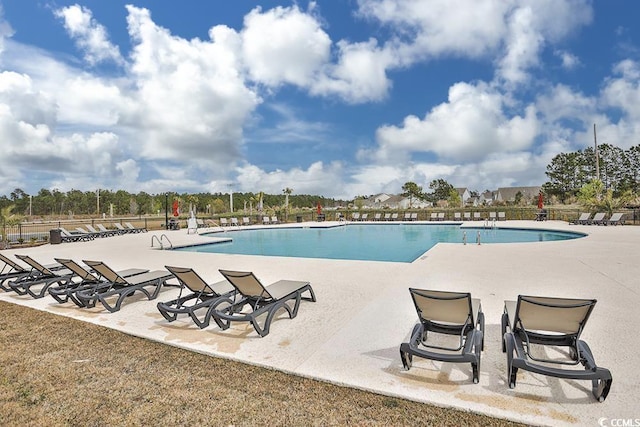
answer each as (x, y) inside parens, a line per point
(33, 232)
(39, 231)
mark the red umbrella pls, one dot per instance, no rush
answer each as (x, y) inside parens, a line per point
(176, 209)
(540, 201)
(319, 209)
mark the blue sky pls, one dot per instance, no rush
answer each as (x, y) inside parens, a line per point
(336, 97)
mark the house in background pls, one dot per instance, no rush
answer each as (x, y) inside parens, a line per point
(465, 195)
(392, 201)
(487, 197)
(510, 194)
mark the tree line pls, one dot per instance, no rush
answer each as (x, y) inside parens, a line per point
(56, 203)
(619, 171)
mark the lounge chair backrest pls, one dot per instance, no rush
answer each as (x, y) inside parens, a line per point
(91, 229)
(616, 217)
(387, 216)
(105, 271)
(584, 216)
(561, 315)
(11, 263)
(101, 227)
(246, 283)
(441, 306)
(119, 226)
(599, 216)
(192, 280)
(35, 264)
(76, 269)
(129, 226)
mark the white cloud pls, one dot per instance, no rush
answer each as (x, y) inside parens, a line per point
(470, 126)
(568, 60)
(284, 45)
(623, 89)
(442, 27)
(90, 36)
(314, 180)
(360, 74)
(512, 33)
(192, 98)
(523, 45)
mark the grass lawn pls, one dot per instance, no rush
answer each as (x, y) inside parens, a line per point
(61, 371)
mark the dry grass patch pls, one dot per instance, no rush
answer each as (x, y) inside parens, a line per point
(61, 371)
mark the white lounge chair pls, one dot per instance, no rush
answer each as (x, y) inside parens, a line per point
(616, 219)
(599, 218)
(584, 218)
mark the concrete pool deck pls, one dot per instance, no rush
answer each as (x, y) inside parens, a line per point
(352, 334)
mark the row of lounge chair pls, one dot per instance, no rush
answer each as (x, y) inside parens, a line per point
(84, 285)
(88, 232)
(239, 298)
(600, 218)
(528, 324)
(224, 222)
(435, 216)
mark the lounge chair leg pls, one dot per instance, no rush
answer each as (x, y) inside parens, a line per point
(481, 322)
(505, 320)
(601, 389)
(476, 372)
(512, 372)
(407, 359)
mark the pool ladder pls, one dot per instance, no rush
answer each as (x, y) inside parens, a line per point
(464, 238)
(490, 223)
(159, 240)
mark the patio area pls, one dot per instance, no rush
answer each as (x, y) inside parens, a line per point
(352, 334)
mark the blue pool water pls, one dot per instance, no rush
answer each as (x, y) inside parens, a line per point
(394, 243)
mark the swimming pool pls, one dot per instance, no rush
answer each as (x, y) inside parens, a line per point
(389, 242)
